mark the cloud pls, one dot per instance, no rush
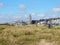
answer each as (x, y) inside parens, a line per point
(16, 17)
(1, 4)
(2, 17)
(10, 16)
(22, 7)
(56, 9)
(38, 16)
(41, 15)
(33, 14)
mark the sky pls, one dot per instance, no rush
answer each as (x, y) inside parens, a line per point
(11, 10)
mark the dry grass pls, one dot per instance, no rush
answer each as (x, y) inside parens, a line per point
(29, 35)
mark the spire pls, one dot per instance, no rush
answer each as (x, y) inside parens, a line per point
(30, 18)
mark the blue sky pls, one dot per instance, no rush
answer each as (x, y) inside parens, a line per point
(11, 10)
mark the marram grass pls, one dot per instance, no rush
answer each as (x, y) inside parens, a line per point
(28, 35)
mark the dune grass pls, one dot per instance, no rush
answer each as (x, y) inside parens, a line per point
(28, 35)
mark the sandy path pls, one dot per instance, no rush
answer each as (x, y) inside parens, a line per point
(44, 42)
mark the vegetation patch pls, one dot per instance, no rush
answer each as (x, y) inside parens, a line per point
(2, 28)
(28, 35)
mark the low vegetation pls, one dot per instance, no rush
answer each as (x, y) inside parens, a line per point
(29, 35)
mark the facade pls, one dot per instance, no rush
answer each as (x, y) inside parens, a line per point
(53, 21)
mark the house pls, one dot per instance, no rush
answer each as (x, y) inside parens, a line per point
(34, 21)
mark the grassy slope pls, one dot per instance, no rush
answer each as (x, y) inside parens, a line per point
(28, 35)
